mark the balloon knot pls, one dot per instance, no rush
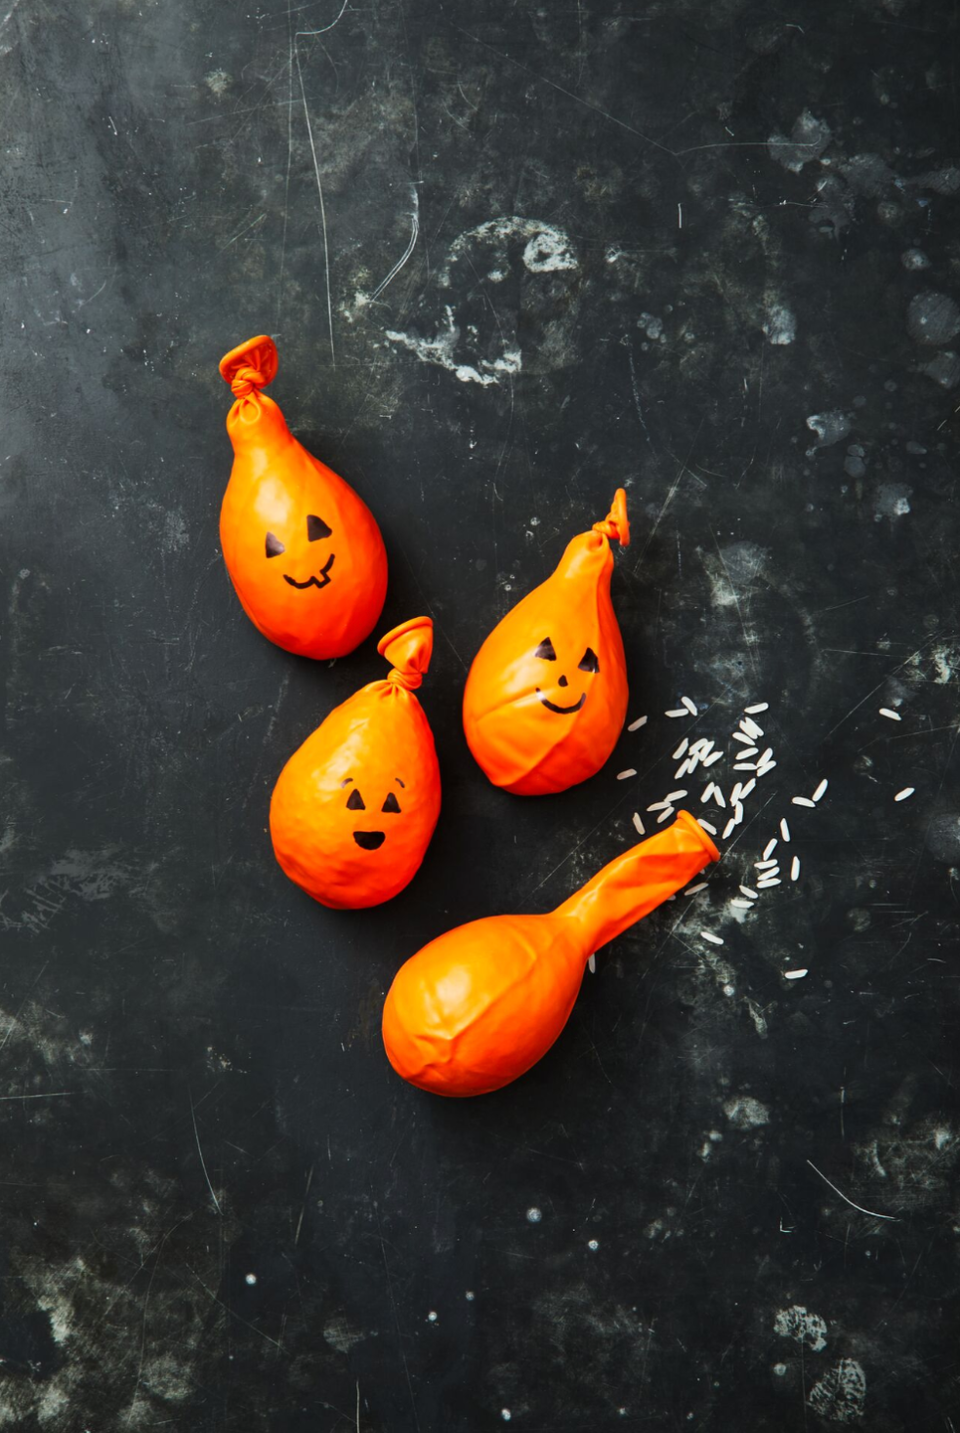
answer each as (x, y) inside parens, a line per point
(408, 680)
(245, 381)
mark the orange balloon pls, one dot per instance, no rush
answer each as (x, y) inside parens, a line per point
(302, 549)
(354, 808)
(546, 696)
(478, 1006)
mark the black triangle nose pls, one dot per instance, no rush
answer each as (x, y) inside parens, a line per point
(563, 682)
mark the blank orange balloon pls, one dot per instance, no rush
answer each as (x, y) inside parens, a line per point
(546, 695)
(355, 807)
(475, 1008)
(303, 551)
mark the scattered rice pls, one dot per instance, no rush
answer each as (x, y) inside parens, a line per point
(686, 768)
(675, 795)
(690, 705)
(706, 826)
(760, 707)
(743, 766)
(635, 725)
(624, 775)
(677, 712)
(748, 751)
(743, 905)
(785, 829)
(821, 789)
(700, 886)
(894, 716)
(766, 865)
(681, 748)
(741, 736)
(730, 827)
(641, 829)
(769, 849)
(803, 801)
(664, 815)
(795, 868)
(721, 800)
(746, 790)
(738, 812)
(709, 760)
(658, 805)
(905, 793)
(765, 882)
(709, 935)
(768, 766)
(749, 891)
(592, 965)
(794, 974)
(706, 793)
(765, 756)
(751, 727)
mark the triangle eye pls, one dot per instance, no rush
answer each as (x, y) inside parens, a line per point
(589, 661)
(317, 528)
(355, 801)
(274, 546)
(391, 803)
(545, 651)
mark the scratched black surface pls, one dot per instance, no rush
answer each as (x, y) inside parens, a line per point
(653, 242)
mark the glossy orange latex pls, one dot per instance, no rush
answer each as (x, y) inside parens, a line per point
(302, 549)
(478, 1006)
(354, 808)
(546, 696)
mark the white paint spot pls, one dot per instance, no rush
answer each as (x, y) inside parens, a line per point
(432, 1316)
(744, 1112)
(780, 324)
(592, 1244)
(829, 427)
(840, 1395)
(893, 500)
(808, 139)
(469, 1296)
(796, 1323)
(441, 351)
(548, 252)
(534, 1214)
(217, 82)
(250, 1279)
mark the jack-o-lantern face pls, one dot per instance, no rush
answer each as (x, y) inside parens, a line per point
(587, 663)
(317, 529)
(546, 695)
(345, 825)
(291, 528)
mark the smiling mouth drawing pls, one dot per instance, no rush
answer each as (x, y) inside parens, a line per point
(561, 711)
(369, 840)
(314, 581)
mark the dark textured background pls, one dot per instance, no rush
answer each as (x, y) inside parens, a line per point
(193, 1086)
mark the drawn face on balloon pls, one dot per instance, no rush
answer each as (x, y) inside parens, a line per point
(372, 840)
(589, 663)
(316, 531)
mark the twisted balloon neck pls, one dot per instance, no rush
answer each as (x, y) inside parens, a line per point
(409, 647)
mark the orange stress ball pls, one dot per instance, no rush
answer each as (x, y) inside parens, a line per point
(478, 1006)
(546, 696)
(302, 549)
(354, 808)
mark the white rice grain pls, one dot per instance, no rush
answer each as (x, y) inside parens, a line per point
(751, 727)
(625, 775)
(748, 751)
(785, 829)
(641, 829)
(766, 865)
(681, 748)
(729, 828)
(742, 905)
(657, 805)
(716, 756)
(743, 766)
(700, 886)
(738, 813)
(765, 756)
(675, 795)
(803, 801)
(769, 849)
(742, 737)
(905, 793)
(707, 790)
(746, 790)
(592, 965)
(635, 725)
(665, 815)
(821, 789)
(767, 766)
(749, 891)
(709, 935)
(794, 974)
(690, 705)
(766, 882)
(795, 868)
(760, 707)
(894, 716)
(677, 712)
(706, 826)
